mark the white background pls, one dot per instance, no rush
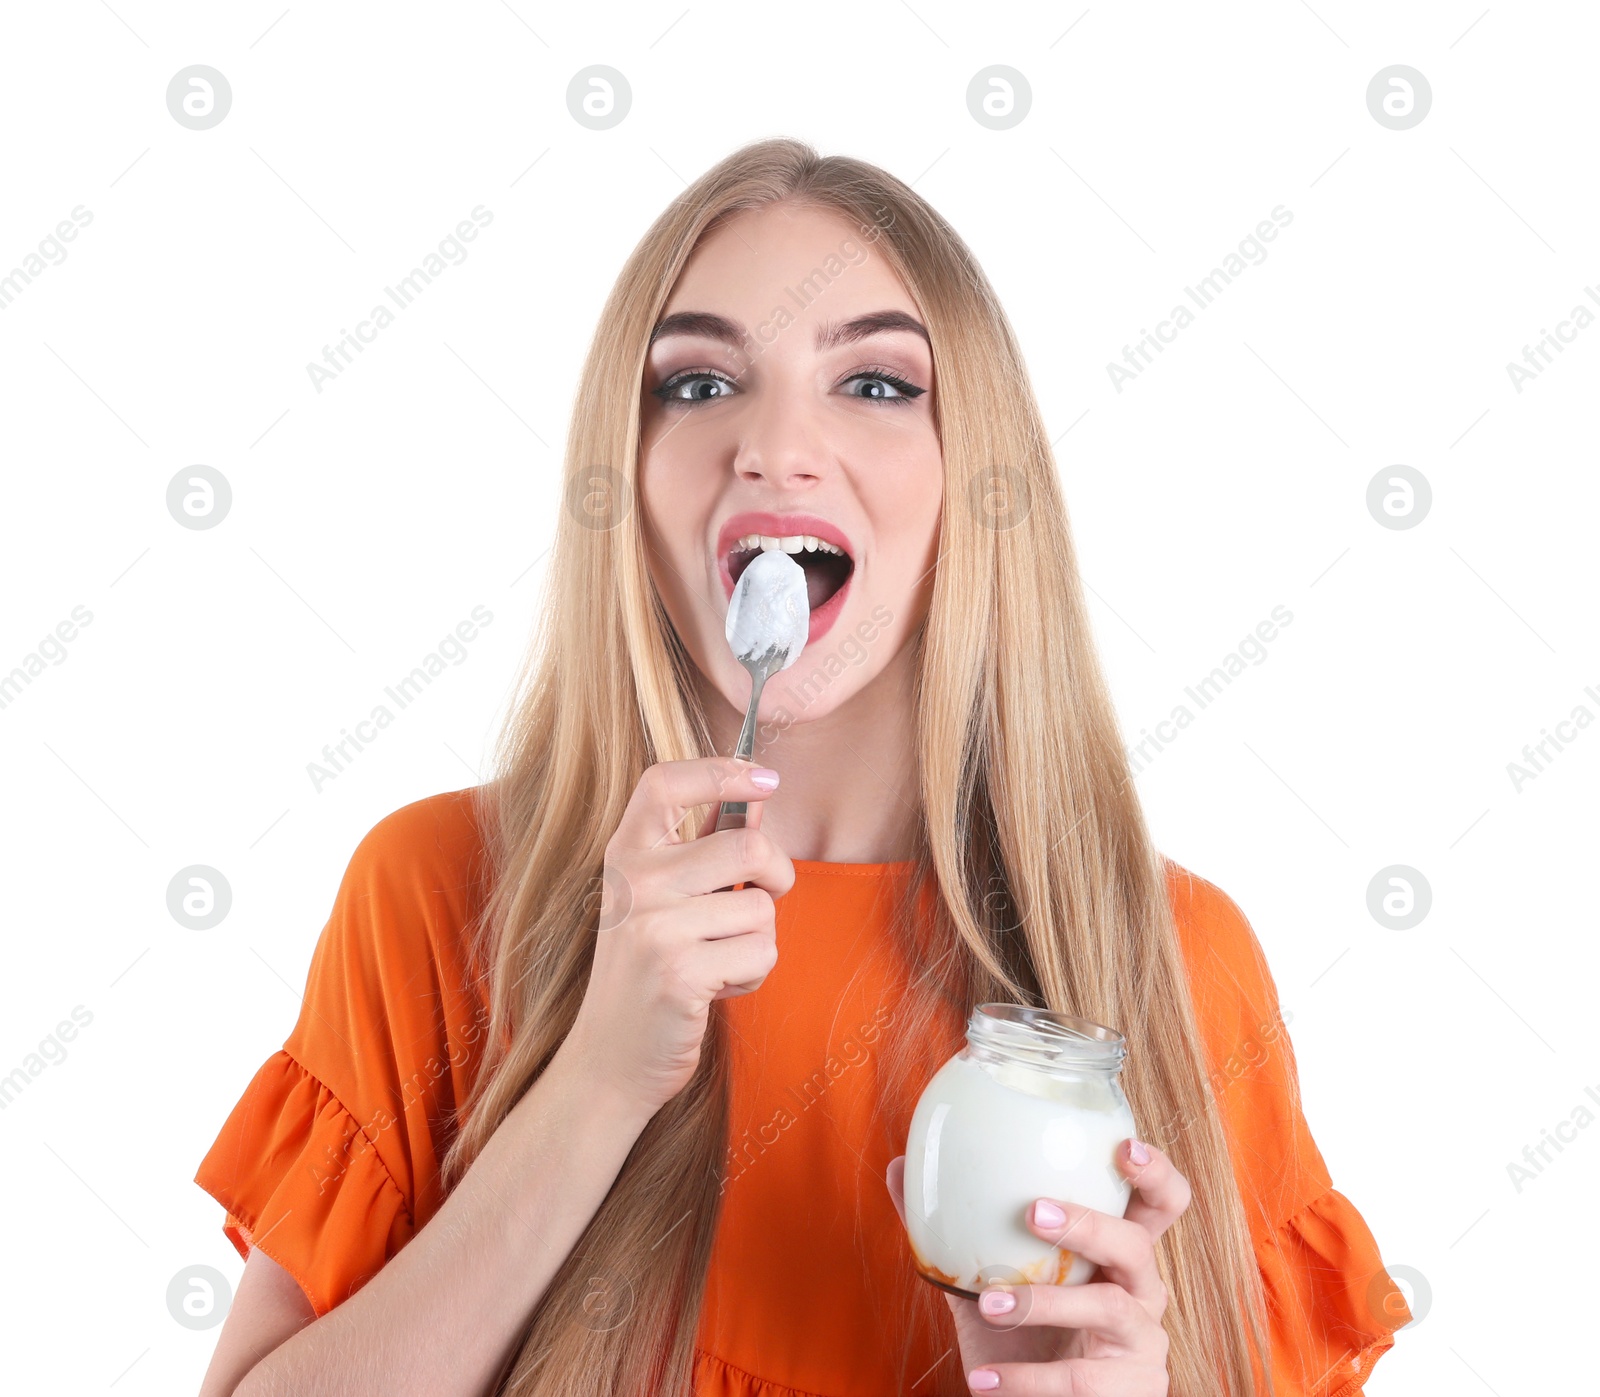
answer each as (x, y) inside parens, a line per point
(1230, 477)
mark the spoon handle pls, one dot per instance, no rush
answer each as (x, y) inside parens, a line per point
(733, 813)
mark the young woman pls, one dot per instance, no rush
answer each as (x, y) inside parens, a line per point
(569, 1110)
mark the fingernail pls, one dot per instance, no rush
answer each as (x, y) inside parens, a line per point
(765, 777)
(1046, 1214)
(997, 1302)
(1138, 1154)
(983, 1379)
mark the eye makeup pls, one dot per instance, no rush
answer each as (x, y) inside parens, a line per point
(905, 391)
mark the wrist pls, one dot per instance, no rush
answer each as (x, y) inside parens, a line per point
(596, 1091)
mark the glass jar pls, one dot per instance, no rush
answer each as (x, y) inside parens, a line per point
(1030, 1108)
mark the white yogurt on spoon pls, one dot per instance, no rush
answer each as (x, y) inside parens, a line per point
(769, 619)
(769, 609)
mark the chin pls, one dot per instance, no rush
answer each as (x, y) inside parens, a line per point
(830, 671)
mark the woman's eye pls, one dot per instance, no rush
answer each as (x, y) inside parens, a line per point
(699, 384)
(887, 388)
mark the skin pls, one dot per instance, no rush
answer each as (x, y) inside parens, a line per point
(793, 434)
(476, 1269)
(1103, 1337)
(799, 429)
(790, 428)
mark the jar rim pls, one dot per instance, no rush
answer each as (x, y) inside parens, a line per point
(1045, 1036)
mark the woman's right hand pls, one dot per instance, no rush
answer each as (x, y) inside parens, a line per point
(669, 943)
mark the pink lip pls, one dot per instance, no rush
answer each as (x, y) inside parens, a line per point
(779, 526)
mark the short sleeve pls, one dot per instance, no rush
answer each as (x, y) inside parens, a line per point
(303, 1182)
(330, 1160)
(1332, 1306)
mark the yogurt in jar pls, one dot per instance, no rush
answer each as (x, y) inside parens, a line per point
(1029, 1108)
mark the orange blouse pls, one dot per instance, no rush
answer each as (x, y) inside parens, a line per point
(329, 1162)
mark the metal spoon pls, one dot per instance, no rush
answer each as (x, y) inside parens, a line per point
(734, 813)
(768, 616)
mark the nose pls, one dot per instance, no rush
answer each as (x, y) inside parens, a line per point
(784, 443)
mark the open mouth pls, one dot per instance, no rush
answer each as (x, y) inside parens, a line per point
(827, 566)
(823, 550)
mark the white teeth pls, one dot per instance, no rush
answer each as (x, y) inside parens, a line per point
(789, 543)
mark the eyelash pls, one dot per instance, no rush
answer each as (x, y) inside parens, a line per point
(909, 391)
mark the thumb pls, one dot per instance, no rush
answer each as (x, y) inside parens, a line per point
(895, 1178)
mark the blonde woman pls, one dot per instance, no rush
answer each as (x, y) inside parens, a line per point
(567, 1110)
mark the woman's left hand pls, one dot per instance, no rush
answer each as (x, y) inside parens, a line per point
(1103, 1337)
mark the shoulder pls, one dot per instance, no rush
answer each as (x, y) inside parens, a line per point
(1250, 1056)
(1200, 906)
(421, 869)
(1228, 970)
(395, 956)
(438, 837)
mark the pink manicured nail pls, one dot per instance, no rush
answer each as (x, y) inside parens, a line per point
(1046, 1214)
(997, 1302)
(983, 1379)
(765, 777)
(1138, 1154)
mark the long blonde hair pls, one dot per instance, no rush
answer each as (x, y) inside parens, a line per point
(1048, 889)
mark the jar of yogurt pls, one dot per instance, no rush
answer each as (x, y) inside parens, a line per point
(1030, 1108)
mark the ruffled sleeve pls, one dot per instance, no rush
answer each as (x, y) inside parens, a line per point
(331, 1159)
(1332, 1306)
(302, 1181)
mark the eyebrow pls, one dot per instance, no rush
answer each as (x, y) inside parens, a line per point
(830, 333)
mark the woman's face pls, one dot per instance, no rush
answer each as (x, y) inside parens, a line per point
(788, 394)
